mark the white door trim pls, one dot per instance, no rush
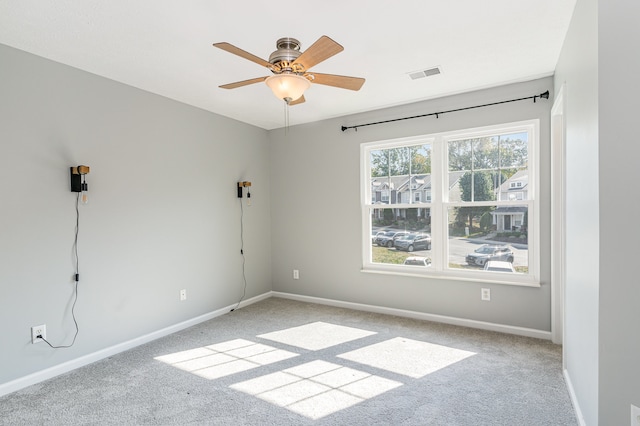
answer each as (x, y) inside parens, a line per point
(558, 205)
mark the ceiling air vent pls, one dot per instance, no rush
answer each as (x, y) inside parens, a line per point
(424, 73)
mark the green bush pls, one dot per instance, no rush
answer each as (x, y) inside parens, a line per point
(388, 215)
(486, 220)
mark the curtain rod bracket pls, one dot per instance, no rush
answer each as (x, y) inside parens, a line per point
(544, 95)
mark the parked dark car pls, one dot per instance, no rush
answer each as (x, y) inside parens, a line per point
(488, 252)
(389, 237)
(413, 242)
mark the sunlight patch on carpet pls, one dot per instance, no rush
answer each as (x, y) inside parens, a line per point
(317, 335)
(316, 389)
(226, 358)
(407, 357)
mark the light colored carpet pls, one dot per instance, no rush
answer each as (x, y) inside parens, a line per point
(281, 362)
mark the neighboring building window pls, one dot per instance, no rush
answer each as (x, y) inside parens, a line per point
(469, 213)
(516, 196)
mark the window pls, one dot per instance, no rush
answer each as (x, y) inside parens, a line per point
(463, 199)
(516, 196)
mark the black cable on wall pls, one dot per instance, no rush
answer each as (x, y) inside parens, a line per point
(76, 278)
(244, 276)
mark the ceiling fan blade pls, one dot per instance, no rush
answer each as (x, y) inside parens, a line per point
(322, 49)
(243, 54)
(341, 81)
(300, 100)
(243, 83)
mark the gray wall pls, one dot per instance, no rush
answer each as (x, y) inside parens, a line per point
(578, 70)
(162, 216)
(618, 95)
(602, 291)
(316, 216)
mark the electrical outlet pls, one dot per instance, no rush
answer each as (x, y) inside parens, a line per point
(635, 415)
(183, 294)
(296, 274)
(38, 330)
(485, 294)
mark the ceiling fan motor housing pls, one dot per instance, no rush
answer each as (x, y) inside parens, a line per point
(288, 51)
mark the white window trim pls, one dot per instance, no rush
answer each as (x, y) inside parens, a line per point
(438, 205)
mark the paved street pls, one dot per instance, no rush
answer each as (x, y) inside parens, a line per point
(460, 247)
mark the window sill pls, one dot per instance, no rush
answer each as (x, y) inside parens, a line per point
(477, 277)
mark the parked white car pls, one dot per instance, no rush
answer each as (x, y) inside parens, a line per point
(418, 261)
(498, 266)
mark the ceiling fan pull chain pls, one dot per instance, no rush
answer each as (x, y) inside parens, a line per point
(286, 117)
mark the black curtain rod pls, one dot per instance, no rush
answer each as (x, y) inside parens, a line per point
(544, 95)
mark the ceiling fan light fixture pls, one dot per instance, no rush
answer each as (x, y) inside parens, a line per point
(288, 87)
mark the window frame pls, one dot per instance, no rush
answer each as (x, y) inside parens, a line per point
(439, 205)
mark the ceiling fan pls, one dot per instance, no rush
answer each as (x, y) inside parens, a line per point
(290, 68)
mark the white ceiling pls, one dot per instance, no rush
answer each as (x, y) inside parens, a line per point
(165, 47)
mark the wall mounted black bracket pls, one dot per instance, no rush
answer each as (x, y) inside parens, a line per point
(242, 185)
(76, 178)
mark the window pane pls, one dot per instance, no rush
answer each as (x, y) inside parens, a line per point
(401, 161)
(401, 175)
(485, 154)
(401, 235)
(478, 235)
(513, 150)
(516, 186)
(460, 155)
(381, 190)
(479, 168)
(379, 163)
(478, 186)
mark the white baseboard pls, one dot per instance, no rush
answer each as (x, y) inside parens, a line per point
(521, 331)
(56, 370)
(40, 376)
(574, 400)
